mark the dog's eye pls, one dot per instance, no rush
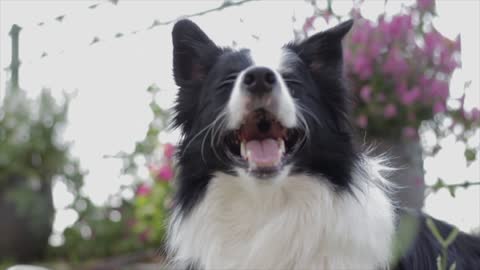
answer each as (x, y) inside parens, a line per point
(292, 83)
(291, 80)
(232, 76)
(228, 81)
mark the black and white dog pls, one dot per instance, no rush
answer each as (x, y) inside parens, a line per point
(270, 176)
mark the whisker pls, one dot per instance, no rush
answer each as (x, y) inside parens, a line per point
(198, 134)
(211, 129)
(215, 135)
(307, 111)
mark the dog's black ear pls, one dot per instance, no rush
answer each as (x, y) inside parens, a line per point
(193, 56)
(324, 50)
(193, 53)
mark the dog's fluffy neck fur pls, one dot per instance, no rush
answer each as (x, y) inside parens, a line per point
(300, 222)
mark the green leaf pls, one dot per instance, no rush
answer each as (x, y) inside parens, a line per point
(435, 232)
(453, 266)
(451, 237)
(438, 185)
(439, 263)
(470, 154)
(452, 190)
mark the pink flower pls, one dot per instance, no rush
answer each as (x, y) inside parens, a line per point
(366, 93)
(165, 173)
(168, 150)
(395, 63)
(426, 5)
(362, 121)
(384, 28)
(474, 115)
(143, 190)
(362, 66)
(409, 132)
(400, 25)
(447, 61)
(308, 25)
(432, 40)
(374, 48)
(390, 111)
(409, 97)
(361, 33)
(439, 89)
(439, 107)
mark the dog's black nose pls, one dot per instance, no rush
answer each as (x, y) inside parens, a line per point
(259, 80)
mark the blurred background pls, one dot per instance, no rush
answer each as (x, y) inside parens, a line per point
(86, 86)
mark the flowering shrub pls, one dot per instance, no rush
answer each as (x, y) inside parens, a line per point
(399, 72)
(152, 201)
(152, 192)
(131, 224)
(399, 68)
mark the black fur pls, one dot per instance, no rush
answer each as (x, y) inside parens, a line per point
(200, 67)
(203, 71)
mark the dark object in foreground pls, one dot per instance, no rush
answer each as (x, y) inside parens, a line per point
(423, 251)
(24, 236)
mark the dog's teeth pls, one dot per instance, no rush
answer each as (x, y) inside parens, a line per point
(281, 143)
(243, 150)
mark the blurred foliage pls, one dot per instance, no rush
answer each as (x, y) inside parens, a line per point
(132, 224)
(32, 158)
(99, 232)
(152, 200)
(31, 148)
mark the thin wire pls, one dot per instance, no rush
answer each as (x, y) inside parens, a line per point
(156, 23)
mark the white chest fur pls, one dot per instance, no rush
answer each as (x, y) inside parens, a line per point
(298, 223)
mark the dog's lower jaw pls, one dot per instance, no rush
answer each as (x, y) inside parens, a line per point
(299, 223)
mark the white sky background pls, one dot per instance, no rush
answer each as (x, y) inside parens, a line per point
(111, 110)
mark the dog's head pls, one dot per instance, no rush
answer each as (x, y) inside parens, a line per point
(262, 114)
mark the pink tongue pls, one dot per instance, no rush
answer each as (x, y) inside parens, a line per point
(263, 153)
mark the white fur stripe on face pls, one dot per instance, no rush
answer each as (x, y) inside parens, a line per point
(282, 105)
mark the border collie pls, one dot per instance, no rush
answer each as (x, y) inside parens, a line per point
(270, 176)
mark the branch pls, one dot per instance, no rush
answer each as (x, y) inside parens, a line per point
(226, 4)
(452, 187)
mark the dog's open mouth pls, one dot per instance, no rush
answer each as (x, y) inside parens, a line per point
(263, 143)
